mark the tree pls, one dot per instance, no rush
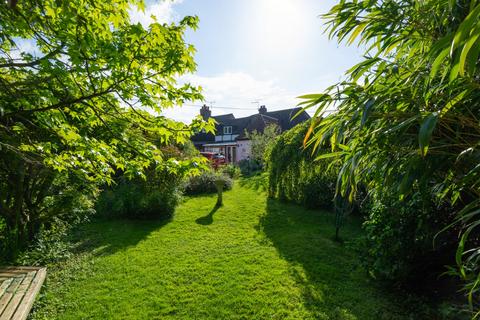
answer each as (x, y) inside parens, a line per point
(407, 115)
(80, 104)
(260, 140)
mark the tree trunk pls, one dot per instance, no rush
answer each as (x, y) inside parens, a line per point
(17, 226)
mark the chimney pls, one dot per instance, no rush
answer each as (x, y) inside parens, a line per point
(262, 110)
(205, 112)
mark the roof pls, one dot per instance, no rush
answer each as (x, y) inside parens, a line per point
(224, 117)
(285, 119)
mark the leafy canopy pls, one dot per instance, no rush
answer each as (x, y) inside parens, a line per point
(408, 115)
(81, 99)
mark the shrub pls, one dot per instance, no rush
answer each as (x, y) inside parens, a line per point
(260, 141)
(295, 176)
(49, 246)
(153, 197)
(249, 167)
(231, 170)
(60, 199)
(399, 241)
(205, 183)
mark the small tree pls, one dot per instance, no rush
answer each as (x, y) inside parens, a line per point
(260, 141)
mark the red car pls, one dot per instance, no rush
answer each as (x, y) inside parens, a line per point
(216, 159)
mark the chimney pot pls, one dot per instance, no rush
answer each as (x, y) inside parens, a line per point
(205, 112)
(262, 110)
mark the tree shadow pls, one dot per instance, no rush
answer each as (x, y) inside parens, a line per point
(328, 272)
(257, 182)
(208, 219)
(106, 236)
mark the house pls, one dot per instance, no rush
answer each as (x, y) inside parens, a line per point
(230, 138)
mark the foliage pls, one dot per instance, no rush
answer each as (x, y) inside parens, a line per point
(78, 105)
(231, 170)
(53, 201)
(399, 237)
(153, 197)
(258, 259)
(408, 113)
(294, 175)
(249, 167)
(49, 245)
(205, 183)
(260, 140)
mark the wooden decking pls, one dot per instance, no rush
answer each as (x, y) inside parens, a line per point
(18, 288)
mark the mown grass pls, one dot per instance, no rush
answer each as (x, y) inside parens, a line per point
(253, 258)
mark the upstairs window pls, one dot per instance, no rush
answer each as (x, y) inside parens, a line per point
(227, 130)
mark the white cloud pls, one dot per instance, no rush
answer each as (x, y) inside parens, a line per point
(162, 10)
(234, 90)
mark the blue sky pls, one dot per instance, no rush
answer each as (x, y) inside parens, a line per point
(252, 52)
(269, 51)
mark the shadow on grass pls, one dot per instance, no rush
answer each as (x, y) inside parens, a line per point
(332, 281)
(208, 219)
(107, 236)
(256, 182)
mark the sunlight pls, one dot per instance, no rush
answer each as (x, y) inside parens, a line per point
(279, 25)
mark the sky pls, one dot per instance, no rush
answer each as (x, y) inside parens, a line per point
(255, 52)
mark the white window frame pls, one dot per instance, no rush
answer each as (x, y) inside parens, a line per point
(227, 130)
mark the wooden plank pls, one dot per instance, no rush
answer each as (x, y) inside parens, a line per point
(18, 296)
(5, 284)
(11, 270)
(29, 299)
(12, 274)
(21, 268)
(7, 296)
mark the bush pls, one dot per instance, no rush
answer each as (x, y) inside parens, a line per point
(399, 241)
(231, 171)
(153, 197)
(63, 201)
(49, 246)
(205, 183)
(249, 167)
(295, 176)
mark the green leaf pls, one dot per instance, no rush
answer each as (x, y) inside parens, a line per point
(466, 49)
(426, 131)
(330, 155)
(356, 32)
(315, 96)
(437, 63)
(366, 110)
(453, 102)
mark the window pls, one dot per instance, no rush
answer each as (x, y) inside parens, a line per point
(227, 130)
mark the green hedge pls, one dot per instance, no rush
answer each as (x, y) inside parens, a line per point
(205, 183)
(155, 197)
(295, 176)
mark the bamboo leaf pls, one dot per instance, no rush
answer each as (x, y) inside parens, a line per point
(466, 49)
(453, 102)
(330, 155)
(426, 130)
(366, 111)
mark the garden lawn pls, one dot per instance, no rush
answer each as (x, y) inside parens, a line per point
(253, 258)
